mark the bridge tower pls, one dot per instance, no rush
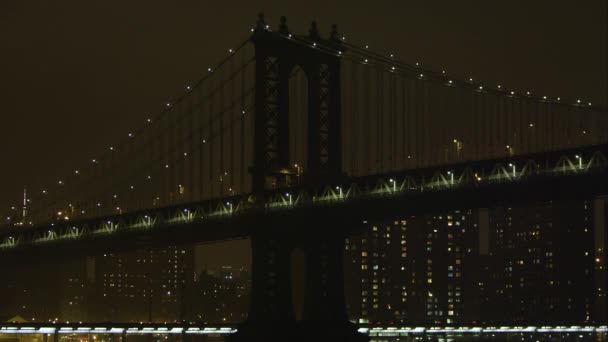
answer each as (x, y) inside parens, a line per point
(276, 57)
(273, 314)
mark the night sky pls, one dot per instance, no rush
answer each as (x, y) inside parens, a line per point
(76, 76)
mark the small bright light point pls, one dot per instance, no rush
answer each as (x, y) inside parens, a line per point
(111, 148)
(168, 104)
(508, 146)
(510, 165)
(499, 86)
(60, 182)
(166, 166)
(589, 103)
(450, 82)
(470, 80)
(287, 194)
(417, 64)
(204, 141)
(367, 46)
(188, 87)
(185, 154)
(339, 52)
(314, 44)
(366, 61)
(421, 75)
(559, 99)
(480, 88)
(289, 35)
(149, 177)
(130, 135)
(209, 69)
(443, 72)
(544, 97)
(230, 51)
(132, 187)
(531, 125)
(578, 101)
(455, 141)
(512, 93)
(449, 172)
(393, 68)
(391, 180)
(149, 120)
(527, 93)
(577, 156)
(243, 112)
(77, 172)
(337, 188)
(392, 55)
(94, 161)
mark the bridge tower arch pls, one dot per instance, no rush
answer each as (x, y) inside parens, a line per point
(276, 55)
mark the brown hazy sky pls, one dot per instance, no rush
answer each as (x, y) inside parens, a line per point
(77, 75)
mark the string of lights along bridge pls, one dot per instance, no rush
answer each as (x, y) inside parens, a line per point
(394, 116)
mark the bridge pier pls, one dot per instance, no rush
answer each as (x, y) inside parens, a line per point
(271, 288)
(271, 315)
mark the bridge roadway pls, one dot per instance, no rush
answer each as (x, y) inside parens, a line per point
(566, 174)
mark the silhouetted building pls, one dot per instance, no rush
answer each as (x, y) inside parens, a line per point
(146, 285)
(221, 296)
(413, 270)
(541, 263)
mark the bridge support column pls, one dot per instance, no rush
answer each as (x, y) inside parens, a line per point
(325, 317)
(325, 282)
(271, 288)
(271, 315)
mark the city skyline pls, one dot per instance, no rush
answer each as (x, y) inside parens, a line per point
(312, 179)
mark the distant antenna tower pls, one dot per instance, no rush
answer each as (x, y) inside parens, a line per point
(24, 213)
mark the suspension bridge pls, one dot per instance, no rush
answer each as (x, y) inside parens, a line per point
(296, 140)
